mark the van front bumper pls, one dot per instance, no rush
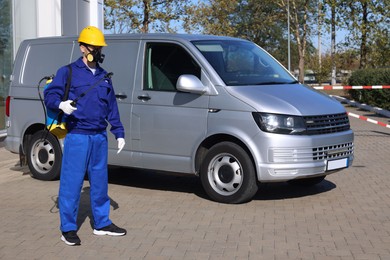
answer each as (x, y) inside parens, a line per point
(277, 173)
(294, 157)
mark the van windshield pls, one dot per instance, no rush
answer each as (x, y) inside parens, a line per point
(243, 63)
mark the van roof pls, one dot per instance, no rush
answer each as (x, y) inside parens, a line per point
(166, 36)
(147, 36)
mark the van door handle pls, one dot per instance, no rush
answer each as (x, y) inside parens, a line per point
(144, 97)
(121, 96)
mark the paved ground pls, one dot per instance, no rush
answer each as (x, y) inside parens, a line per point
(347, 216)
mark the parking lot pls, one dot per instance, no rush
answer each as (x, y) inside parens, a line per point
(168, 216)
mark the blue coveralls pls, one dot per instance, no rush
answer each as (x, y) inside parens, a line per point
(85, 145)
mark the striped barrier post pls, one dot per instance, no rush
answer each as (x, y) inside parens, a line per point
(356, 104)
(368, 119)
(376, 110)
(366, 107)
(349, 87)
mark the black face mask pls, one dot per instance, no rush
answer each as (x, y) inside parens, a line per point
(95, 55)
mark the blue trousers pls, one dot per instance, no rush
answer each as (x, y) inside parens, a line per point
(84, 153)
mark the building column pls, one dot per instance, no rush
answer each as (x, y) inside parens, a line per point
(77, 14)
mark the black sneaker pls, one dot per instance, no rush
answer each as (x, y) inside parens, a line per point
(111, 230)
(71, 238)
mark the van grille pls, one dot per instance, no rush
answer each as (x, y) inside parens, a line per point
(333, 151)
(326, 124)
(310, 154)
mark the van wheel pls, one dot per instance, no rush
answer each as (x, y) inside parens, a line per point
(228, 175)
(307, 182)
(44, 156)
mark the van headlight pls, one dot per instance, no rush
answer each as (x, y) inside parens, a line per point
(280, 124)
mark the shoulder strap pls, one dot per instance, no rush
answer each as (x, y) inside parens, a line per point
(68, 82)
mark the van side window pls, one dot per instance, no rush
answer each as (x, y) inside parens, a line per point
(164, 64)
(37, 66)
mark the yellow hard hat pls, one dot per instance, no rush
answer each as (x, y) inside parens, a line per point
(91, 35)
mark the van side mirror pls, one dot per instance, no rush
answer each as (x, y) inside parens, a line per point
(190, 83)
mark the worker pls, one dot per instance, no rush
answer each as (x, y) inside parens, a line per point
(90, 105)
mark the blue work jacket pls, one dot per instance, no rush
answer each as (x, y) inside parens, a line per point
(95, 108)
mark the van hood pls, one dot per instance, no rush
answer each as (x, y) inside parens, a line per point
(289, 99)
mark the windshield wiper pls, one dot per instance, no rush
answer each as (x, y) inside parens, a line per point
(275, 83)
(293, 82)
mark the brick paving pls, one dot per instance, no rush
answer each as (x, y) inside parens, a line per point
(347, 216)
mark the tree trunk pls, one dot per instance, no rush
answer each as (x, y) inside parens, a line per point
(301, 40)
(363, 45)
(301, 66)
(145, 22)
(319, 32)
(333, 43)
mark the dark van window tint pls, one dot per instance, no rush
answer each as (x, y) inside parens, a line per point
(164, 63)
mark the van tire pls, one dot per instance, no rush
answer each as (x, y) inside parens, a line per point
(44, 156)
(228, 175)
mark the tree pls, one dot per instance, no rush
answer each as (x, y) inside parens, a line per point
(380, 51)
(302, 18)
(321, 67)
(213, 17)
(333, 39)
(368, 23)
(263, 22)
(124, 16)
(348, 59)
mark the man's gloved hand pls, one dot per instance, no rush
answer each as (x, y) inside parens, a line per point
(67, 107)
(121, 144)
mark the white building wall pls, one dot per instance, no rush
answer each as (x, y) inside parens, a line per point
(48, 18)
(44, 18)
(24, 21)
(96, 13)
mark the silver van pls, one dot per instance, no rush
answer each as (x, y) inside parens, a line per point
(218, 107)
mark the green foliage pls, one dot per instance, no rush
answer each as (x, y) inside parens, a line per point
(380, 48)
(263, 22)
(367, 43)
(321, 69)
(143, 16)
(368, 23)
(370, 77)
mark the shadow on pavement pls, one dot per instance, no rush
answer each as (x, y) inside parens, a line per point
(191, 184)
(85, 211)
(279, 191)
(154, 180)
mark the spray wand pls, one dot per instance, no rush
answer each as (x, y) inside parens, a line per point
(107, 76)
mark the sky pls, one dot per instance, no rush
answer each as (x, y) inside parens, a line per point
(326, 40)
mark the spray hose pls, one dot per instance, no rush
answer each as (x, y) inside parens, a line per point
(47, 78)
